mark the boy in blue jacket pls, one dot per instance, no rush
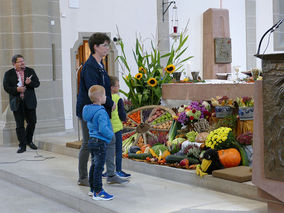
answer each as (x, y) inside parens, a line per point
(101, 133)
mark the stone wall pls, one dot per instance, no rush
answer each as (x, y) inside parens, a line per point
(32, 28)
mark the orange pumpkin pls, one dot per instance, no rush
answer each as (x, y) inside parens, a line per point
(229, 157)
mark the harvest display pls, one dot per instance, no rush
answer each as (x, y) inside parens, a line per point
(192, 138)
(145, 125)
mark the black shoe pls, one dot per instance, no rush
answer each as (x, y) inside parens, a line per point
(21, 149)
(32, 146)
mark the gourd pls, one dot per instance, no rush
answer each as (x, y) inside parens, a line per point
(177, 159)
(142, 156)
(229, 157)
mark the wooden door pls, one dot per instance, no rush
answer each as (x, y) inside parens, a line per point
(82, 56)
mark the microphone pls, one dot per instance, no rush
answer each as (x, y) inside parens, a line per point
(277, 25)
(272, 29)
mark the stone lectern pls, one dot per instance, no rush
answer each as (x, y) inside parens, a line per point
(268, 138)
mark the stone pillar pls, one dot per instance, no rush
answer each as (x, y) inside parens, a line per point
(32, 28)
(163, 31)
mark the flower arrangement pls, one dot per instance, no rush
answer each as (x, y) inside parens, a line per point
(145, 85)
(222, 101)
(193, 112)
(245, 138)
(245, 101)
(221, 138)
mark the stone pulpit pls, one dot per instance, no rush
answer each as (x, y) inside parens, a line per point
(268, 138)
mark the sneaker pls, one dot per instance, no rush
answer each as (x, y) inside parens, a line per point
(116, 179)
(83, 182)
(122, 174)
(91, 193)
(104, 175)
(102, 195)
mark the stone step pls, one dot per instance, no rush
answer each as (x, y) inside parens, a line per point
(54, 176)
(245, 189)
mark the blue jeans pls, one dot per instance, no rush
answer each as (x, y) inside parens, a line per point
(97, 149)
(84, 154)
(118, 150)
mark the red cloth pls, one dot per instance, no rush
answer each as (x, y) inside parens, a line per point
(21, 74)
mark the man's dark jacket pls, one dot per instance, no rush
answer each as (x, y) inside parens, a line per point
(93, 74)
(10, 82)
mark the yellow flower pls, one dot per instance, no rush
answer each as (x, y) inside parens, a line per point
(170, 68)
(138, 76)
(142, 70)
(152, 82)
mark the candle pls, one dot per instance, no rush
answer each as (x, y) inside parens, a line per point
(220, 4)
(188, 68)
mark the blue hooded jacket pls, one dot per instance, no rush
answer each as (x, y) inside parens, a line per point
(92, 74)
(98, 122)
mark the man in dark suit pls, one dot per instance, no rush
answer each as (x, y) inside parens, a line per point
(20, 82)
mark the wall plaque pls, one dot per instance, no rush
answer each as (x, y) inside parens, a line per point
(223, 50)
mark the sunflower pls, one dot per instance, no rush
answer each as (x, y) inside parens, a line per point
(170, 68)
(152, 82)
(138, 76)
(142, 70)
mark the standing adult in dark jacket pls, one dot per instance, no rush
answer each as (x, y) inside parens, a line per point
(93, 73)
(20, 82)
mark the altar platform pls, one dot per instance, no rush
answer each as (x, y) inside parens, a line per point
(206, 90)
(152, 188)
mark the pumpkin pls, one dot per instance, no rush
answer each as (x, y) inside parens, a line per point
(229, 157)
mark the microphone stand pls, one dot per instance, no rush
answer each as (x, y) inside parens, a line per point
(272, 29)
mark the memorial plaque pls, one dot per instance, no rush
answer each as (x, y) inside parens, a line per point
(273, 117)
(223, 50)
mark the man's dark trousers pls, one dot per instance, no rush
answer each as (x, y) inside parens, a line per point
(25, 136)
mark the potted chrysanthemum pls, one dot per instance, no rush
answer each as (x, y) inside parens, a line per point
(221, 138)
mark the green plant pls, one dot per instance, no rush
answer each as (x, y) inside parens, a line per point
(222, 101)
(245, 101)
(145, 86)
(229, 121)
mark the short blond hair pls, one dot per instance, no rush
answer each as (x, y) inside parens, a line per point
(96, 92)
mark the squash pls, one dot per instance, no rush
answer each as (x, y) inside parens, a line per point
(153, 153)
(229, 157)
(165, 154)
(144, 147)
(178, 159)
(142, 156)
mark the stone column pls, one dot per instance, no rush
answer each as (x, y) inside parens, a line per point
(163, 31)
(32, 28)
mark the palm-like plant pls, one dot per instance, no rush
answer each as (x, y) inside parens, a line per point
(145, 86)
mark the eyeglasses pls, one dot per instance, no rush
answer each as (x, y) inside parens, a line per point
(17, 62)
(105, 45)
